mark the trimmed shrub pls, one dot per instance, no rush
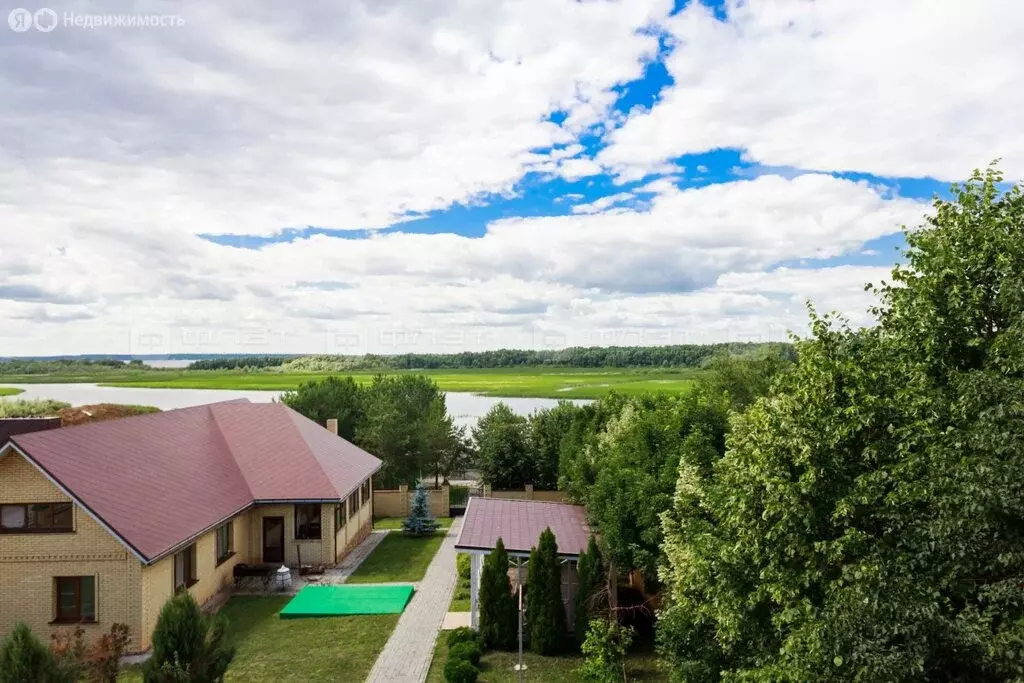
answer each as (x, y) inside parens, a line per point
(498, 612)
(462, 634)
(23, 657)
(470, 651)
(545, 610)
(460, 671)
(187, 645)
(605, 648)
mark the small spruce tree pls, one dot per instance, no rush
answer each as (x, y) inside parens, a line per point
(544, 607)
(23, 657)
(420, 522)
(590, 580)
(498, 611)
(187, 645)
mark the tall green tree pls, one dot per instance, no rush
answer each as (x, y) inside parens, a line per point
(332, 397)
(866, 522)
(590, 588)
(498, 611)
(548, 429)
(504, 453)
(405, 419)
(187, 645)
(545, 610)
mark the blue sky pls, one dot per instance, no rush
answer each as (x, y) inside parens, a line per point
(442, 177)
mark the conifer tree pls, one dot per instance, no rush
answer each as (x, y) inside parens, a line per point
(590, 582)
(498, 612)
(545, 610)
(420, 522)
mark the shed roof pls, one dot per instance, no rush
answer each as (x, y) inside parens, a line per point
(158, 480)
(519, 524)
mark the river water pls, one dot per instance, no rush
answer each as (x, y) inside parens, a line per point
(466, 408)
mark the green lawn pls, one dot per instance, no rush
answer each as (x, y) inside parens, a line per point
(509, 382)
(496, 667)
(395, 523)
(300, 650)
(398, 558)
(10, 391)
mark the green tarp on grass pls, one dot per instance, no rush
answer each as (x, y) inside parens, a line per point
(334, 601)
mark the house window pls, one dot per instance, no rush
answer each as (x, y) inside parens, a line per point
(339, 517)
(36, 518)
(185, 568)
(307, 522)
(225, 542)
(76, 598)
(365, 491)
(353, 504)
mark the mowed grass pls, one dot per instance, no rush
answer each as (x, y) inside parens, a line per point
(398, 558)
(10, 391)
(496, 667)
(395, 523)
(297, 650)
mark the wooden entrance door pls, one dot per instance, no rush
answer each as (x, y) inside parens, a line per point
(273, 539)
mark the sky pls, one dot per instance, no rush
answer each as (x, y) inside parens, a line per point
(391, 176)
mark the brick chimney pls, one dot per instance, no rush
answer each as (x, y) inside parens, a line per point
(332, 425)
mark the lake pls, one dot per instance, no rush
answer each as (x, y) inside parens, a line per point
(466, 408)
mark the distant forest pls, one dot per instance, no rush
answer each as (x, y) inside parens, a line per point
(683, 355)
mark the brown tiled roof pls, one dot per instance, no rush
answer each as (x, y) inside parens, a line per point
(159, 480)
(519, 524)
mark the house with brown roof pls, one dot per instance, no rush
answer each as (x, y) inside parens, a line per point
(102, 523)
(519, 524)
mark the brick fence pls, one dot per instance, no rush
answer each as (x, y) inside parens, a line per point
(397, 503)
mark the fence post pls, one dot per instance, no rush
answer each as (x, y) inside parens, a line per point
(403, 495)
(446, 499)
(529, 492)
(487, 490)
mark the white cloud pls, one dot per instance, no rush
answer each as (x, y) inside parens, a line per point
(911, 88)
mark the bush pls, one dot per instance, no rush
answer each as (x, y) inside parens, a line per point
(187, 645)
(23, 657)
(104, 657)
(545, 610)
(463, 634)
(27, 407)
(468, 650)
(497, 606)
(462, 562)
(605, 649)
(460, 671)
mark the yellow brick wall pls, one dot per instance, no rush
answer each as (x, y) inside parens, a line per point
(313, 552)
(29, 562)
(392, 503)
(355, 530)
(158, 579)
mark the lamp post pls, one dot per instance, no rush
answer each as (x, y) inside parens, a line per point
(520, 667)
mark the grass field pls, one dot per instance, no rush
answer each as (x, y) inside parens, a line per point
(10, 391)
(395, 523)
(398, 558)
(271, 649)
(538, 382)
(496, 667)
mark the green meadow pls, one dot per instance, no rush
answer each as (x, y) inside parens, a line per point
(534, 381)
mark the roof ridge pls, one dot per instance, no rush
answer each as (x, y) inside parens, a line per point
(291, 420)
(227, 445)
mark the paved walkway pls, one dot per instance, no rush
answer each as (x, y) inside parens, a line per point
(407, 654)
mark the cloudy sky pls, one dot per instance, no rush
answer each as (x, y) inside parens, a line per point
(439, 175)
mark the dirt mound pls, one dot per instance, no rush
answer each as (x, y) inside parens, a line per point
(99, 412)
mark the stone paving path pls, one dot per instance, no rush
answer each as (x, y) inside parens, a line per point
(407, 654)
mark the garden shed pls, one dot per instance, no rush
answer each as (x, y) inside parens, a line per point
(519, 523)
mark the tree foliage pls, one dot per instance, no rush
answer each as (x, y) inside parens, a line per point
(590, 589)
(420, 522)
(605, 647)
(866, 521)
(337, 398)
(187, 645)
(23, 657)
(498, 611)
(545, 611)
(503, 448)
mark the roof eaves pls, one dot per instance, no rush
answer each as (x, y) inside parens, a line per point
(70, 494)
(192, 539)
